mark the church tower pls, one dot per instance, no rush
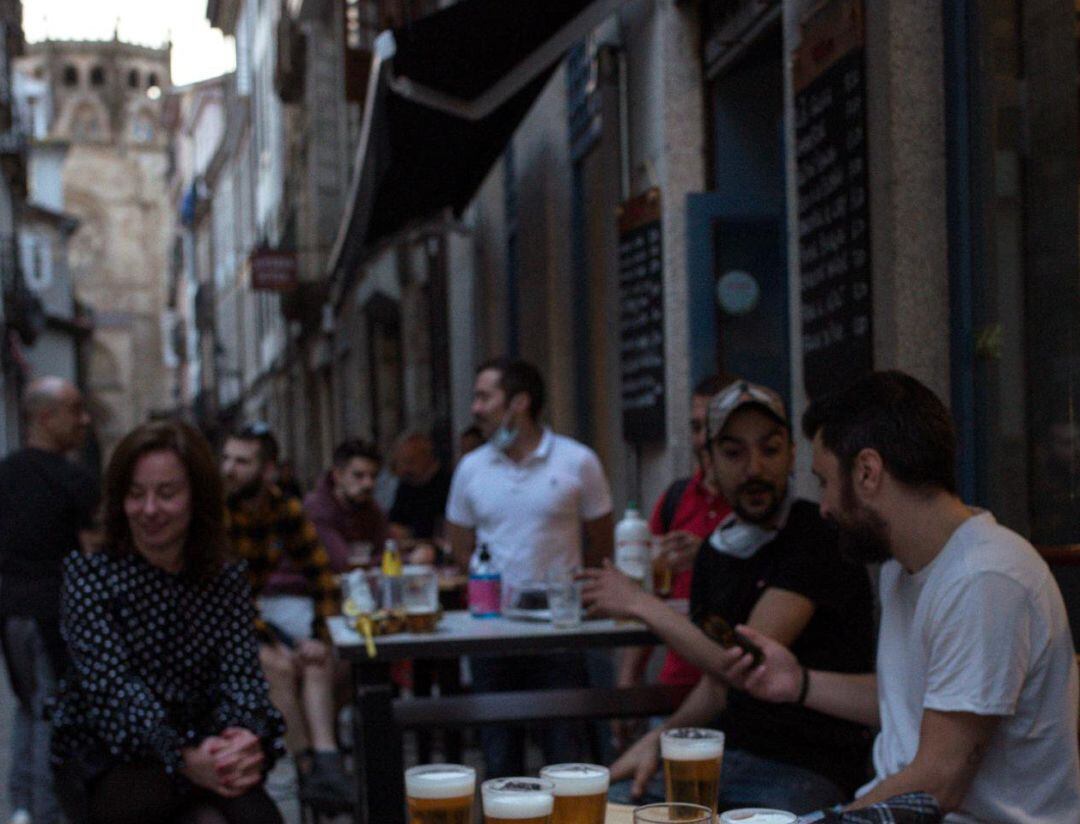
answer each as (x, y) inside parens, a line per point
(107, 105)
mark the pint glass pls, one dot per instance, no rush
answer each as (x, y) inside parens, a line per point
(757, 815)
(440, 793)
(692, 758)
(673, 814)
(517, 800)
(580, 792)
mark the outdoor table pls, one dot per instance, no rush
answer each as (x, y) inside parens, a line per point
(380, 782)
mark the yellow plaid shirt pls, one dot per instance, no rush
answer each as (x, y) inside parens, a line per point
(279, 528)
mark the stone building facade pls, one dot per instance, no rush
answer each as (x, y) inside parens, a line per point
(106, 103)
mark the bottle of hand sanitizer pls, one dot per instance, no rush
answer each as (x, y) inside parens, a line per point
(633, 547)
(485, 585)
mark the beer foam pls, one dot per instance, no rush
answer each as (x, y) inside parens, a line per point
(514, 799)
(436, 783)
(757, 816)
(691, 748)
(577, 779)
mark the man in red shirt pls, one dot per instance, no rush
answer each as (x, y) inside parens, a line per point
(684, 516)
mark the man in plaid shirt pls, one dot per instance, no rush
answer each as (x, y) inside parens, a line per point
(270, 532)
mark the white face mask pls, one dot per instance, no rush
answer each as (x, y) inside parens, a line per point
(505, 435)
(742, 540)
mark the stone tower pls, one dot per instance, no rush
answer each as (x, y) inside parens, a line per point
(107, 104)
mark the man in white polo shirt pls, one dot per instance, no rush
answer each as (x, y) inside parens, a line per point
(528, 494)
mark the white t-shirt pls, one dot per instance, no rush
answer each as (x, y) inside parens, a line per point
(530, 513)
(983, 629)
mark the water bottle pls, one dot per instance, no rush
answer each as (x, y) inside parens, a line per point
(633, 547)
(485, 585)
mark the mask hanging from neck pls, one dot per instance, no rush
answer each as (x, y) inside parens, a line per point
(505, 435)
(741, 539)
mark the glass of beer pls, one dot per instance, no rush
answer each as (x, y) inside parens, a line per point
(421, 597)
(670, 813)
(692, 758)
(580, 792)
(440, 793)
(757, 815)
(518, 800)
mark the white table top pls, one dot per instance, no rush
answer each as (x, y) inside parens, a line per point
(460, 634)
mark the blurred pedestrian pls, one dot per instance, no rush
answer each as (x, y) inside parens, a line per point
(164, 715)
(267, 527)
(529, 495)
(423, 486)
(46, 501)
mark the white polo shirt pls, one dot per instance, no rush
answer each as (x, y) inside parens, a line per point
(530, 513)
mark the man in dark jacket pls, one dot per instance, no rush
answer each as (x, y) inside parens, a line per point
(46, 500)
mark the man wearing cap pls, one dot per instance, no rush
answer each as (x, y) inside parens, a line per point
(772, 564)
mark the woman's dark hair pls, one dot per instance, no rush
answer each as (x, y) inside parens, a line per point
(896, 416)
(207, 543)
(515, 377)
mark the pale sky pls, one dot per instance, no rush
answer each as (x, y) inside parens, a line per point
(198, 51)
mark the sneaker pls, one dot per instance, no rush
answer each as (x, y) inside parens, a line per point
(326, 787)
(20, 816)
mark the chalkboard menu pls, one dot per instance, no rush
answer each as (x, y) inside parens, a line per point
(641, 318)
(834, 214)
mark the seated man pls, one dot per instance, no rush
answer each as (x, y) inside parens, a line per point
(265, 528)
(976, 685)
(342, 506)
(775, 565)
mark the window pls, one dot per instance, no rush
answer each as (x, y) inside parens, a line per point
(133, 79)
(152, 80)
(97, 77)
(71, 76)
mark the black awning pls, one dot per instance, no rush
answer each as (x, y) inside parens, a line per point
(445, 96)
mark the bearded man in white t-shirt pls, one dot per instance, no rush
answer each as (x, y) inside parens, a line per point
(528, 495)
(976, 686)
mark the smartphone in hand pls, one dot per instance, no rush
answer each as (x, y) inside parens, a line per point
(722, 632)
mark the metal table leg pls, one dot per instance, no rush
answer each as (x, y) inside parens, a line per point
(377, 756)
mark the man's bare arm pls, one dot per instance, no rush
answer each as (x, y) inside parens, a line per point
(599, 540)
(462, 543)
(951, 748)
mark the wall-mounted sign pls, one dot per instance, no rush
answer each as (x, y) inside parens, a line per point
(834, 210)
(273, 271)
(641, 318)
(737, 292)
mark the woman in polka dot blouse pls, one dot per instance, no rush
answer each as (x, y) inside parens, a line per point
(164, 715)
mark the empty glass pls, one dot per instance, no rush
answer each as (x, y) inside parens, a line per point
(673, 814)
(564, 601)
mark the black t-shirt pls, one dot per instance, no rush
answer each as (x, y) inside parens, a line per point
(45, 500)
(803, 558)
(420, 508)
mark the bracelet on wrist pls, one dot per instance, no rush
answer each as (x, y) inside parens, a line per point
(804, 688)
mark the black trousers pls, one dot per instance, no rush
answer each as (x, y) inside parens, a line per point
(143, 792)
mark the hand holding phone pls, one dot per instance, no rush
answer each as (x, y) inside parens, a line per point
(721, 631)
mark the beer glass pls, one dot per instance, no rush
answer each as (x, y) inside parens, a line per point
(580, 792)
(671, 813)
(757, 815)
(440, 793)
(421, 598)
(517, 800)
(692, 758)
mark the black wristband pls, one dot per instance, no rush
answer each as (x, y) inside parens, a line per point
(805, 688)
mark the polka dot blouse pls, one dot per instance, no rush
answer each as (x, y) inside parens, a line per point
(158, 663)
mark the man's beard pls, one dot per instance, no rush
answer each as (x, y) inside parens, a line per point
(864, 535)
(759, 517)
(245, 492)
